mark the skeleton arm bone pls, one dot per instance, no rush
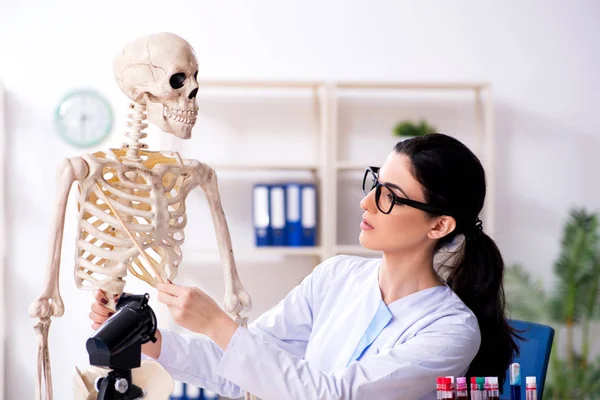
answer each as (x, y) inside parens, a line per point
(236, 298)
(69, 171)
(50, 304)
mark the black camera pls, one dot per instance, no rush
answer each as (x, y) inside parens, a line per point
(117, 345)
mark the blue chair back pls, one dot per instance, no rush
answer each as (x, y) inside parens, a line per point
(534, 354)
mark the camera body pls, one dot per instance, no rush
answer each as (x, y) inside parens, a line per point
(117, 345)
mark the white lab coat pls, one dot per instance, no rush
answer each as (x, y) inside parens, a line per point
(301, 348)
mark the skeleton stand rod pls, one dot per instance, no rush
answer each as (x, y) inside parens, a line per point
(135, 242)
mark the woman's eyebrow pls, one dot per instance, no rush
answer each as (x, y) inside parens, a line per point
(397, 187)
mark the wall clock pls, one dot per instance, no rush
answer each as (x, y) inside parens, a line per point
(83, 118)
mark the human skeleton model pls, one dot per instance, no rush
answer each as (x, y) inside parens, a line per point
(132, 201)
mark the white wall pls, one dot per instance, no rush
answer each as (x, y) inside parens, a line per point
(541, 57)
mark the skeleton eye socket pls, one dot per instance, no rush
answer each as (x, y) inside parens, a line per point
(196, 75)
(177, 80)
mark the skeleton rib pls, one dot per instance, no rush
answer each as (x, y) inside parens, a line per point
(105, 237)
(135, 212)
(99, 252)
(85, 277)
(125, 209)
(104, 283)
(124, 195)
(112, 221)
(83, 263)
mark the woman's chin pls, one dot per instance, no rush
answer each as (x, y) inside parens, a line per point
(370, 242)
(363, 239)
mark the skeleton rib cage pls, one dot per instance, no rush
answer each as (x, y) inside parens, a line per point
(138, 191)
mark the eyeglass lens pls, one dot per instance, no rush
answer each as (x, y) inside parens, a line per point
(385, 198)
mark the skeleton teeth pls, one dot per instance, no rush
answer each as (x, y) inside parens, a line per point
(181, 116)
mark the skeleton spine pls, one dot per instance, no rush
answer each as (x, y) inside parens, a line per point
(136, 123)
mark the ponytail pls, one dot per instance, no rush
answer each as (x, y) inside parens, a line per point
(477, 279)
(453, 179)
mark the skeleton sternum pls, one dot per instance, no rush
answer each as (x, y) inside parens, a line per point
(149, 197)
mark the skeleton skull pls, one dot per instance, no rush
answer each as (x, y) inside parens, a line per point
(160, 71)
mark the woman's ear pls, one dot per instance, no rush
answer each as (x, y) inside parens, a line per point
(441, 227)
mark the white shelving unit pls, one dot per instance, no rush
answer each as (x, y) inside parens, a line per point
(2, 236)
(327, 165)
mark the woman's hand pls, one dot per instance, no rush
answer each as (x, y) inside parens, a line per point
(194, 310)
(100, 313)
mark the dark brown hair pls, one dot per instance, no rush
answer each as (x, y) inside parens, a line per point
(453, 179)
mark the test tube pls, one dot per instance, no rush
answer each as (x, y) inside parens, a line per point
(493, 391)
(462, 392)
(481, 388)
(530, 388)
(475, 393)
(452, 386)
(515, 381)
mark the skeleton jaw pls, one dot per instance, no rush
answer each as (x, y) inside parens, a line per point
(176, 121)
(180, 121)
(187, 117)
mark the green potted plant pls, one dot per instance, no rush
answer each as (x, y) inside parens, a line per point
(570, 308)
(408, 128)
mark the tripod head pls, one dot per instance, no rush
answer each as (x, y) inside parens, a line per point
(117, 345)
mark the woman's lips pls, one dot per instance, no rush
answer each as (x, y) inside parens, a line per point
(364, 225)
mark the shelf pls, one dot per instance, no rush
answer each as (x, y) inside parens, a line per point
(413, 85)
(249, 254)
(256, 252)
(263, 167)
(258, 84)
(351, 166)
(216, 83)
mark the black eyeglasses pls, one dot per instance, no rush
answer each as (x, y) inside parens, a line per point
(385, 198)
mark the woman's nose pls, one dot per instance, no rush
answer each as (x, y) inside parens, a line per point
(368, 202)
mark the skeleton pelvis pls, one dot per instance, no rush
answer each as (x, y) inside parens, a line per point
(150, 376)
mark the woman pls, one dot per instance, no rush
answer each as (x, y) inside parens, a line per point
(359, 328)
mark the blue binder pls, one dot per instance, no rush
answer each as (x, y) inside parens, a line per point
(208, 395)
(293, 225)
(277, 214)
(261, 215)
(178, 391)
(193, 392)
(309, 214)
